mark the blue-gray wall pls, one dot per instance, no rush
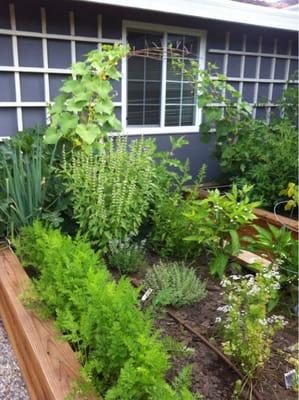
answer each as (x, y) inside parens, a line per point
(28, 18)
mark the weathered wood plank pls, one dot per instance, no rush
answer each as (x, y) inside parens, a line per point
(248, 258)
(49, 365)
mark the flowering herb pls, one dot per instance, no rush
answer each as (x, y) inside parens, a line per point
(247, 329)
(126, 255)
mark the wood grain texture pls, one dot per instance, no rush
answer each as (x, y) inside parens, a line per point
(49, 365)
(247, 258)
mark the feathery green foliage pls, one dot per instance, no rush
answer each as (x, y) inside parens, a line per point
(174, 284)
(122, 357)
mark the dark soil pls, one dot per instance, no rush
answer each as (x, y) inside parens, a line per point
(212, 377)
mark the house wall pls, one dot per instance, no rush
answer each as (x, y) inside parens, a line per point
(40, 39)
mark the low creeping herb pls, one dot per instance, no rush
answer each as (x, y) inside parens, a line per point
(174, 284)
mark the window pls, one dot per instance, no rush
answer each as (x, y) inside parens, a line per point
(157, 98)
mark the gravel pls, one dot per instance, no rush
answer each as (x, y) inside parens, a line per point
(12, 386)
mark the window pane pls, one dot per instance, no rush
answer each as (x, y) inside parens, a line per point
(178, 89)
(144, 81)
(187, 117)
(188, 94)
(172, 116)
(151, 115)
(153, 93)
(135, 115)
(173, 92)
(136, 68)
(135, 93)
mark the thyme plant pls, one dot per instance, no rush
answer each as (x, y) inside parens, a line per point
(174, 284)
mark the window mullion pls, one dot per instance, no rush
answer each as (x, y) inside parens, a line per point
(163, 80)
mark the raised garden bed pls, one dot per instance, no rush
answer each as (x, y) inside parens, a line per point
(48, 364)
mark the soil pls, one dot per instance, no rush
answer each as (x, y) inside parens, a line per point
(211, 376)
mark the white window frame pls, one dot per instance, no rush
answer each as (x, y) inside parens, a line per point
(164, 29)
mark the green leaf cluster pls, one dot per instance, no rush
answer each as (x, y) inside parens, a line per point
(84, 112)
(168, 221)
(279, 246)
(122, 357)
(249, 151)
(112, 189)
(217, 220)
(174, 284)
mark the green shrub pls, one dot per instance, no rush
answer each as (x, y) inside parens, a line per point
(174, 284)
(169, 223)
(112, 190)
(263, 155)
(122, 358)
(247, 329)
(170, 226)
(280, 247)
(126, 256)
(217, 220)
(249, 151)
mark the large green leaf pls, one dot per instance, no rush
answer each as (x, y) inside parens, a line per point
(88, 133)
(235, 242)
(218, 264)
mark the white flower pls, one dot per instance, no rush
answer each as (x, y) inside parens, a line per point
(224, 309)
(218, 319)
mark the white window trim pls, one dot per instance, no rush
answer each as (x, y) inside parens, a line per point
(148, 130)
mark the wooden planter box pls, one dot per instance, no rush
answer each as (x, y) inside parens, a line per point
(48, 364)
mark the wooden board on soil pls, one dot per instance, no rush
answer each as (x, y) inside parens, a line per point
(48, 364)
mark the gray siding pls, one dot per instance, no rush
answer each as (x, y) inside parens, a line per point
(253, 75)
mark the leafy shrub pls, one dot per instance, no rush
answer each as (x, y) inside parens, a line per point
(249, 151)
(112, 190)
(247, 330)
(169, 223)
(278, 245)
(264, 156)
(217, 220)
(174, 284)
(122, 357)
(84, 113)
(125, 255)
